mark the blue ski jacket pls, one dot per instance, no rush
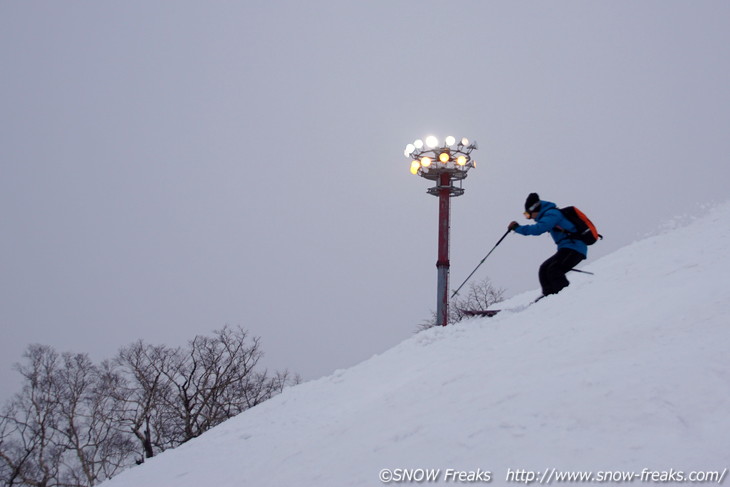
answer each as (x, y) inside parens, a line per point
(550, 219)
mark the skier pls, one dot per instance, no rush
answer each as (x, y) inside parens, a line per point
(548, 218)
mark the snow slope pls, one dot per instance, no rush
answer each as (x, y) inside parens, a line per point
(626, 370)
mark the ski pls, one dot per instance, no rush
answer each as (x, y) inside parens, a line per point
(492, 312)
(480, 312)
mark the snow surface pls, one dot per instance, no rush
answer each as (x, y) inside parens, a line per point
(625, 370)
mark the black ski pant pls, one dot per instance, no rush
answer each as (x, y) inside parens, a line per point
(552, 271)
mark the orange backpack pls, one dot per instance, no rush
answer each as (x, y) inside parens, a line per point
(585, 230)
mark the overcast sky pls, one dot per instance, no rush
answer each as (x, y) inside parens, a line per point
(167, 168)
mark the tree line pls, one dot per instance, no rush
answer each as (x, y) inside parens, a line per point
(75, 423)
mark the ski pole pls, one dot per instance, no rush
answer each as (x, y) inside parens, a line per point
(480, 263)
(582, 272)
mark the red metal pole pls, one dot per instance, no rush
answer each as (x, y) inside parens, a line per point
(442, 264)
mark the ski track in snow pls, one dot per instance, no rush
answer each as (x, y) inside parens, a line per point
(625, 370)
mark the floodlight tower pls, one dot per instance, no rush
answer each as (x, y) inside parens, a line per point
(443, 164)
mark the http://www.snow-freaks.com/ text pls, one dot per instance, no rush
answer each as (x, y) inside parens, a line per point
(547, 476)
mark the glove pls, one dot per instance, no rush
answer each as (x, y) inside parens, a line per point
(513, 225)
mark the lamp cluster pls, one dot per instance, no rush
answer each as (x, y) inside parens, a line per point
(431, 158)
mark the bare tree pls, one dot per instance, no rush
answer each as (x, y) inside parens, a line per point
(143, 374)
(215, 380)
(75, 424)
(95, 447)
(60, 430)
(479, 296)
(171, 395)
(29, 442)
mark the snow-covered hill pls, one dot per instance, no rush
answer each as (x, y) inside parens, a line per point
(625, 371)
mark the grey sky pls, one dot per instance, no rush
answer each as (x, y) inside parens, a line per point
(167, 168)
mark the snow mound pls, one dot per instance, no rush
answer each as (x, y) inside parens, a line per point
(625, 370)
